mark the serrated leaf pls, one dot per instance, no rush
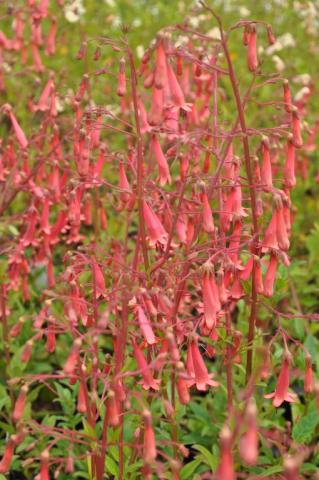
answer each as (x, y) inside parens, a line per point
(304, 429)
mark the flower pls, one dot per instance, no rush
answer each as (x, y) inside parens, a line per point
(281, 393)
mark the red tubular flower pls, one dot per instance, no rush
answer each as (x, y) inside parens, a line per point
(182, 385)
(50, 45)
(155, 115)
(160, 74)
(266, 172)
(124, 184)
(156, 231)
(163, 168)
(99, 280)
(19, 133)
(289, 170)
(281, 230)
(252, 60)
(201, 376)
(225, 470)
(148, 380)
(208, 222)
(258, 280)
(210, 299)
(73, 359)
(81, 403)
(270, 238)
(248, 445)
(308, 380)
(112, 410)
(8, 455)
(149, 449)
(44, 469)
(296, 129)
(281, 393)
(175, 90)
(20, 404)
(270, 276)
(291, 468)
(145, 325)
(43, 103)
(287, 96)
(121, 86)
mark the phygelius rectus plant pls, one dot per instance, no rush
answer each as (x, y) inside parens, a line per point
(154, 223)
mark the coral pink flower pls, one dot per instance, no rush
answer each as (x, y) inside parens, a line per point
(145, 127)
(287, 96)
(177, 94)
(266, 173)
(163, 168)
(296, 129)
(208, 222)
(73, 359)
(225, 470)
(20, 404)
(289, 170)
(149, 449)
(210, 299)
(201, 376)
(156, 231)
(19, 133)
(160, 74)
(281, 393)
(124, 184)
(81, 403)
(148, 380)
(182, 385)
(98, 278)
(155, 115)
(50, 46)
(270, 238)
(112, 409)
(270, 276)
(8, 454)
(281, 230)
(258, 281)
(252, 60)
(248, 445)
(145, 325)
(44, 469)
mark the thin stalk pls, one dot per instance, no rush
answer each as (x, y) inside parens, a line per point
(140, 162)
(249, 172)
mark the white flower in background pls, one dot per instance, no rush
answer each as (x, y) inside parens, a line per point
(140, 51)
(74, 10)
(110, 3)
(116, 21)
(214, 33)
(244, 12)
(285, 40)
(279, 64)
(304, 79)
(302, 93)
(137, 22)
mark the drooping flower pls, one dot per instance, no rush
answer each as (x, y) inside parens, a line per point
(156, 231)
(252, 59)
(270, 276)
(148, 380)
(201, 377)
(308, 380)
(145, 325)
(149, 449)
(20, 404)
(163, 168)
(225, 470)
(248, 445)
(281, 393)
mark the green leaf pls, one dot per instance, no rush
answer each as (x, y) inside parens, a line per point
(111, 466)
(271, 471)
(209, 458)
(189, 469)
(304, 429)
